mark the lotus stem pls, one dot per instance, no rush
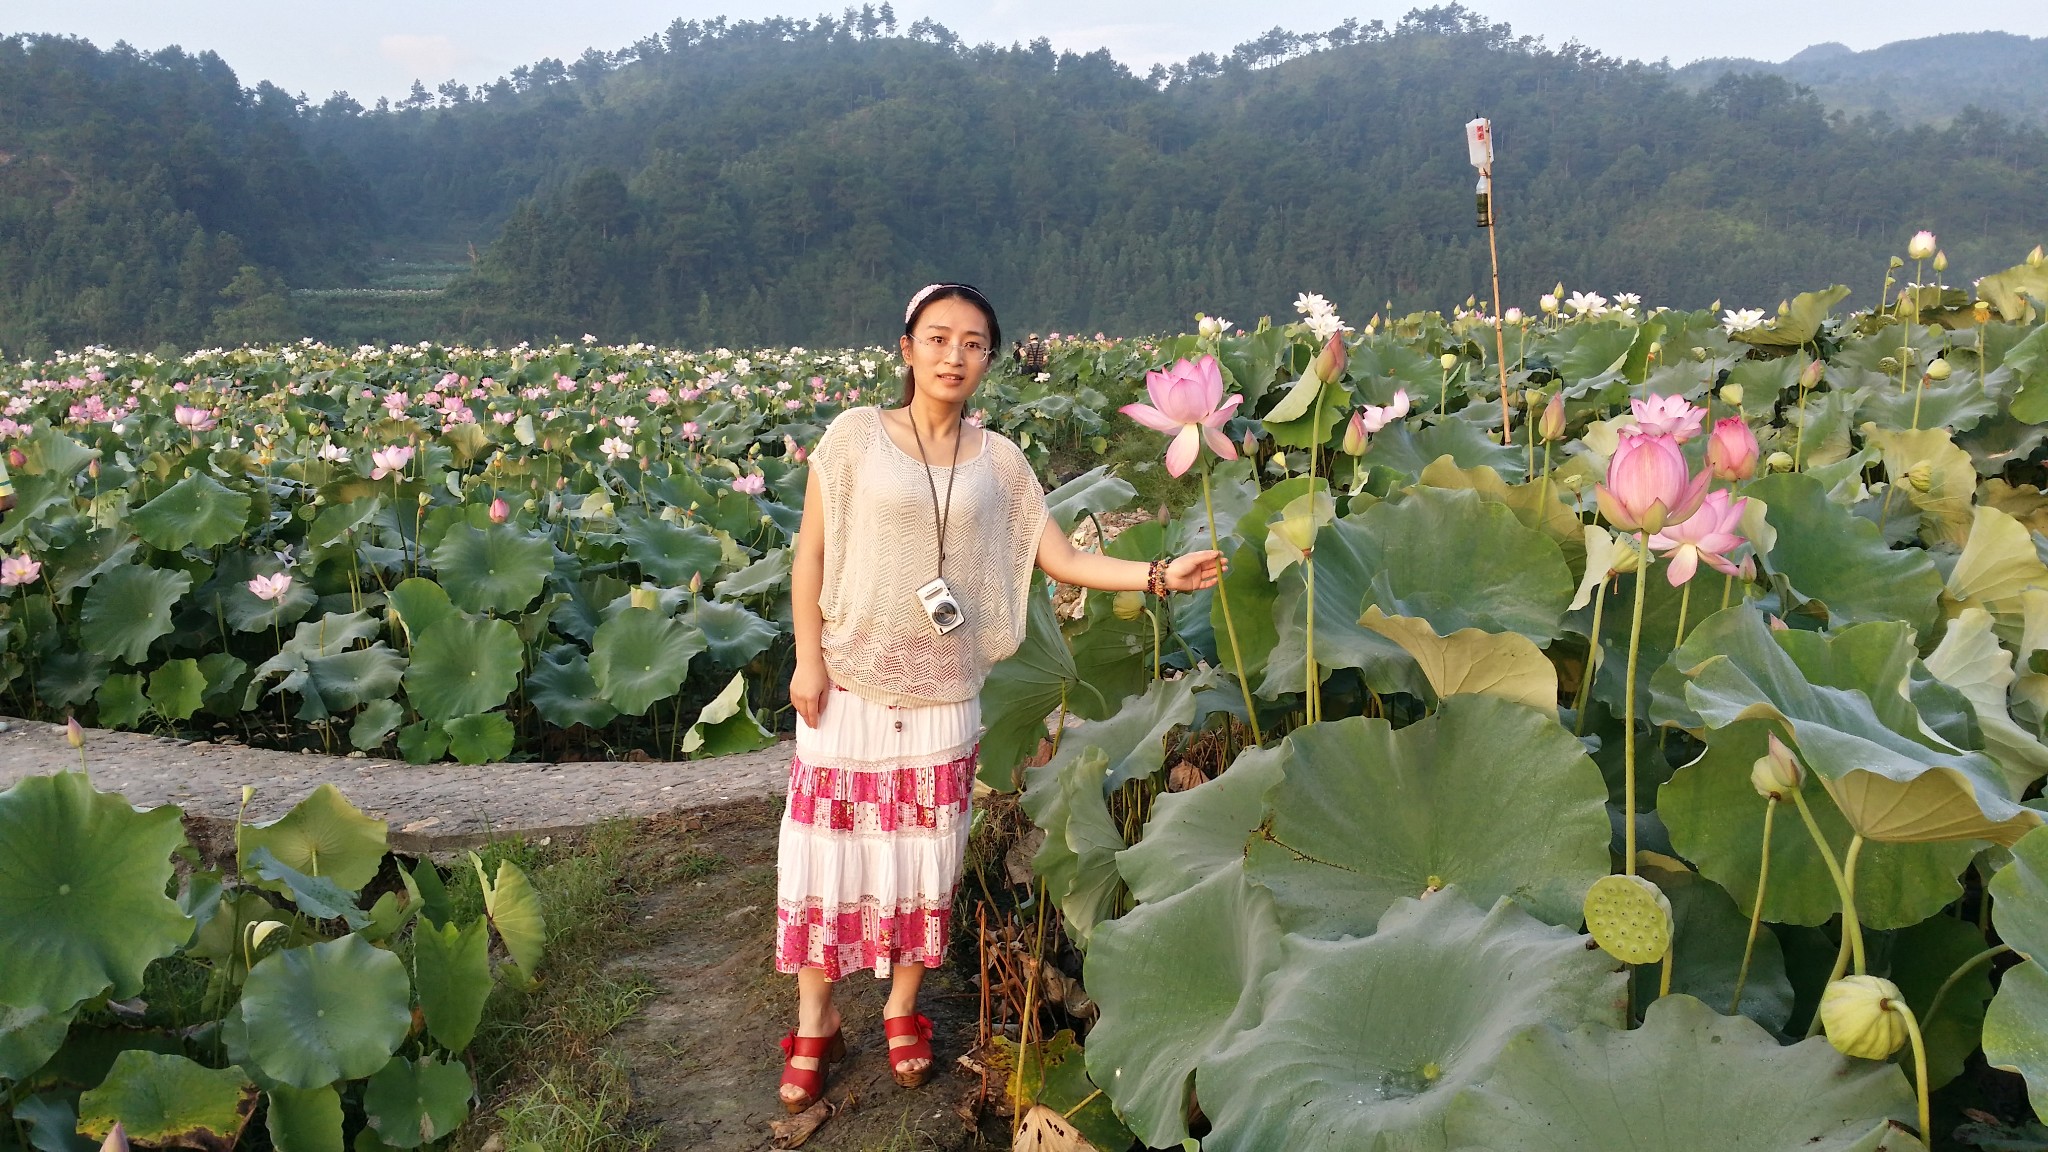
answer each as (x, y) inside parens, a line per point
(1543, 497)
(1727, 590)
(1756, 914)
(1919, 394)
(1592, 664)
(1500, 336)
(1154, 618)
(1664, 978)
(1799, 445)
(1852, 929)
(1229, 626)
(1849, 898)
(1955, 977)
(1314, 686)
(1906, 329)
(1628, 709)
(1919, 1065)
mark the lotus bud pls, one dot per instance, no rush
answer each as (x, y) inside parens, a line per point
(1862, 1017)
(1937, 369)
(1250, 444)
(1778, 462)
(425, 499)
(1559, 290)
(1208, 326)
(1921, 246)
(92, 468)
(15, 459)
(1551, 424)
(2035, 258)
(1982, 312)
(1330, 361)
(1776, 774)
(1699, 355)
(696, 583)
(530, 504)
(644, 597)
(1920, 477)
(1448, 362)
(1747, 569)
(1732, 449)
(1354, 434)
(1531, 397)
(500, 511)
(1810, 375)
(1128, 605)
(1731, 394)
(117, 1139)
(74, 734)
(1548, 304)
(1940, 261)
(1778, 625)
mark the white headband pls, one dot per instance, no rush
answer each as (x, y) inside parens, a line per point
(919, 299)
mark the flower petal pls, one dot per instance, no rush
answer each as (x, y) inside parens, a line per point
(1151, 418)
(1219, 443)
(1186, 446)
(1684, 563)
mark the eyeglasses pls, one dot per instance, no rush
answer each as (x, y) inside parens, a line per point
(970, 350)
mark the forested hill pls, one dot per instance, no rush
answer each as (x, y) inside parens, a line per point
(793, 180)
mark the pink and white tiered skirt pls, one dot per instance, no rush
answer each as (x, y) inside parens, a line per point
(880, 801)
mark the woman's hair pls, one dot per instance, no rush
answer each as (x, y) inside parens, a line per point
(931, 294)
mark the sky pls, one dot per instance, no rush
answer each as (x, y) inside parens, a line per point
(373, 48)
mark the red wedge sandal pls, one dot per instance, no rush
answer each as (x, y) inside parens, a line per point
(826, 1050)
(919, 1026)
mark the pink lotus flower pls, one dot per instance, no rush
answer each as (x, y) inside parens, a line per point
(500, 511)
(1375, 417)
(1648, 485)
(1672, 416)
(753, 484)
(195, 419)
(1732, 450)
(691, 431)
(18, 570)
(1188, 405)
(390, 461)
(271, 589)
(1708, 534)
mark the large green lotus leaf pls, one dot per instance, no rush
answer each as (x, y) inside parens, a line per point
(304, 1119)
(1503, 664)
(671, 553)
(1996, 569)
(1133, 740)
(1344, 573)
(764, 577)
(463, 666)
(514, 910)
(726, 725)
(1486, 794)
(1688, 1079)
(1195, 833)
(196, 512)
(1408, 449)
(1708, 933)
(29, 1036)
(169, 1101)
(120, 702)
(1175, 980)
(332, 1011)
(1831, 555)
(374, 724)
(324, 835)
(1364, 1043)
(1716, 821)
(639, 657)
(1090, 894)
(419, 604)
(561, 688)
(1047, 801)
(2016, 1027)
(1250, 597)
(732, 634)
(1950, 479)
(317, 897)
(1958, 403)
(1970, 660)
(1022, 691)
(452, 967)
(71, 677)
(1460, 561)
(82, 902)
(349, 680)
(413, 1104)
(177, 688)
(1843, 700)
(1113, 656)
(495, 569)
(70, 566)
(1919, 959)
(1095, 490)
(129, 608)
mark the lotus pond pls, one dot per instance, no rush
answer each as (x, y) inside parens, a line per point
(1604, 704)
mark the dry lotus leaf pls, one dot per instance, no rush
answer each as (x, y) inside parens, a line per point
(1504, 664)
(1997, 566)
(1044, 1130)
(794, 1130)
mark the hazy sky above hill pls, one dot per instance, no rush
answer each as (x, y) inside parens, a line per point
(375, 48)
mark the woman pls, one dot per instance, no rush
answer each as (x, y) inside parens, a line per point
(912, 572)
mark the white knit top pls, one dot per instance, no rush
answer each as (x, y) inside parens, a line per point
(881, 545)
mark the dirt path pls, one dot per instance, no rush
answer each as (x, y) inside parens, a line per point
(703, 1049)
(429, 807)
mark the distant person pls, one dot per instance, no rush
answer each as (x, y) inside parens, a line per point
(912, 577)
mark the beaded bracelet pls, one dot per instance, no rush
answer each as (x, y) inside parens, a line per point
(1155, 579)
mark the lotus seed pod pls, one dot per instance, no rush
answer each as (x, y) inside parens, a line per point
(1447, 361)
(1630, 919)
(1937, 369)
(1896, 263)
(1731, 394)
(1128, 605)
(1779, 462)
(1921, 246)
(1810, 375)
(1861, 1016)
(1920, 477)
(1776, 773)
(1627, 558)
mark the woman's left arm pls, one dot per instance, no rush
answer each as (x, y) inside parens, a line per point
(1069, 565)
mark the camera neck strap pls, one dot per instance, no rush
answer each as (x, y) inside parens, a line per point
(939, 518)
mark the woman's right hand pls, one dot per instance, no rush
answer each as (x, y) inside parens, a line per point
(808, 688)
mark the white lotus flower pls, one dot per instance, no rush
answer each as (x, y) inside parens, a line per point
(1587, 303)
(1741, 319)
(615, 448)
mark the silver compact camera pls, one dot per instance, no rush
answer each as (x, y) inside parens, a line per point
(938, 603)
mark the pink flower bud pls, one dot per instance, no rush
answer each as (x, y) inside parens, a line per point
(1551, 425)
(1732, 450)
(500, 511)
(1648, 485)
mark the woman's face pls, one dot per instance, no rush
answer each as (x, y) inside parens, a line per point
(939, 351)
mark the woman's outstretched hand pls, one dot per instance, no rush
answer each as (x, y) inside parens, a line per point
(808, 688)
(1195, 571)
